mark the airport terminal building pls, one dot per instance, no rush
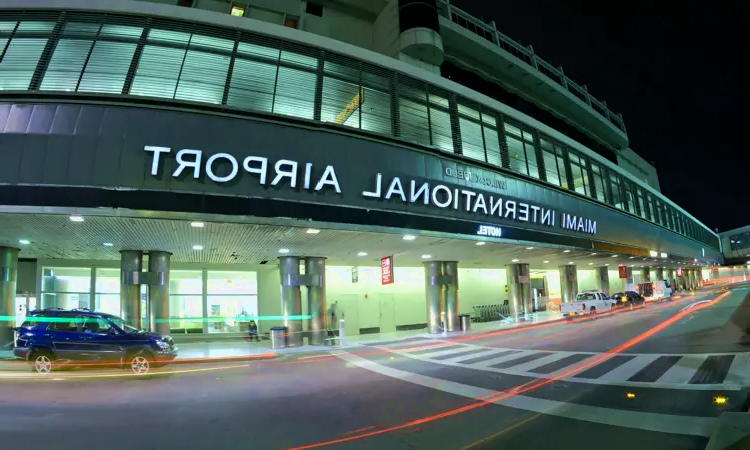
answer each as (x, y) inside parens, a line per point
(190, 163)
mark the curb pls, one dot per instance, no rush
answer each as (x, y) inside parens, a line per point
(226, 359)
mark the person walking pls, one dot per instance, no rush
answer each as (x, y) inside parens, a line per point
(252, 332)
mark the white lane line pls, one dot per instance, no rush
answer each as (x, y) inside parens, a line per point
(663, 423)
(683, 371)
(630, 368)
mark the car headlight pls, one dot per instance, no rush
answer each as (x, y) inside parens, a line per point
(162, 344)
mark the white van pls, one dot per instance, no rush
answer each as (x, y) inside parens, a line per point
(587, 302)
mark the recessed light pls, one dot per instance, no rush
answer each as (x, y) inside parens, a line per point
(570, 262)
(76, 218)
(197, 247)
(545, 262)
(409, 237)
(197, 224)
(529, 248)
(107, 244)
(362, 254)
(426, 256)
(514, 260)
(480, 243)
(24, 241)
(566, 251)
(606, 264)
(283, 250)
(631, 257)
(614, 256)
(313, 231)
(591, 264)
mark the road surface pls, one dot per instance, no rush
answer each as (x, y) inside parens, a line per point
(558, 385)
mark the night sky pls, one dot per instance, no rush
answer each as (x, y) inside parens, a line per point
(677, 71)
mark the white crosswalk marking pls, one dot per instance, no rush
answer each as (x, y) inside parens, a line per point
(629, 369)
(503, 358)
(739, 371)
(531, 365)
(684, 370)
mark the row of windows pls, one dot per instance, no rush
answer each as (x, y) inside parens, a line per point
(739, 241)
(258, 74)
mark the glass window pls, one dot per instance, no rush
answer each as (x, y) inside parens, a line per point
(295, 93)
(232, 300)
(492, 144)
(237, 10)
(66, 65)
(440, 130)
(157, 72)
(554, 163)
(521, 151)
(108, 291)
(341, 102)
(203, 77)
(597, 174)
(376, 111)
(66, 287)
(616, 186)
(580, 174)
(69, 324)
(95, 325)
(186, 301)
(472, 144)
(252, 85)
(659, 217)
(107, 67)
(414, 121)
(19, 62)
(641, 204)
(629, 197)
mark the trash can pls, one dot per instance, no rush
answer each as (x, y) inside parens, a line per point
(278, 337)
(465, 321)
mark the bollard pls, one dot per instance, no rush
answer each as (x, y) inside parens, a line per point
(341, 333)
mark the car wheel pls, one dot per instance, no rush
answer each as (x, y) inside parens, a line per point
(592, 313)
(41, 362)
(140, 364)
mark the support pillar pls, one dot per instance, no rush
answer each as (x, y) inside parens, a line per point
(315, 268)
(519, 289)
(450, 295)
(291, 298)
(645, 275)
(603, 279)
(670, 277)
(659, 274)
(698, 277)
(568, 283)
(8, 277)
(131, 266)
(158, 291)
(433, 272)
(629, 281)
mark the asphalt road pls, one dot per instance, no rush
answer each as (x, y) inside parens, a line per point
(553, 386)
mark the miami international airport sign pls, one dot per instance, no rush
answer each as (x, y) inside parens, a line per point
(301, 176)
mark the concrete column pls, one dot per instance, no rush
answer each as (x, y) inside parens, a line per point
(645, 274)
(603, 280)
(698, 277)
(670, 276)
(291, 298)
(629, 281)
(450, 295)
(433, 273)
(568, 283)
(158, 291)
(519, 289)
(315, 268)
(8, 277)
(131, 266)
(659, 274)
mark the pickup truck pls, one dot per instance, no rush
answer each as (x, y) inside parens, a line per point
(589, 302)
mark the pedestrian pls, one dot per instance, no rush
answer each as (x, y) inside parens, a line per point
(252, 331)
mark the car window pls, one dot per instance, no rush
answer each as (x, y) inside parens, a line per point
(64, 324)
(96, 325)
(587, 296)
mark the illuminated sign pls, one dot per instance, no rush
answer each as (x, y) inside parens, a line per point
(663, 255)
(471, 177)
(679, 271)
(653, 253)
(386, 270)
(623, 271)
(489, 230)
(355, 103)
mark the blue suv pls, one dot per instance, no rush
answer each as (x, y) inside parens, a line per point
(57, 337)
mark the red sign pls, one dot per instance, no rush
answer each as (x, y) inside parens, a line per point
(623, 271)
(386, 270)
(679, 271)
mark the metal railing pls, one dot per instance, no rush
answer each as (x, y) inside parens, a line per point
(527, 55)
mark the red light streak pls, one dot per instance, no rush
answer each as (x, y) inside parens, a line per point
(503, 395)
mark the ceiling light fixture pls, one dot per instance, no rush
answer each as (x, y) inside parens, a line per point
(362, 254)
(409, 237)
(197, 224)
(614, 256)
(283, 250)
(566, 251)
(480, 243)
(606, 264)
(197, 247)
(76, 218)
(313, 231)
(514, 260)
(545, 262)
(24, 241)
(426, 256)
(107, 244)
(570, 262)
(591, 264)
(593, 254)
(529, 248)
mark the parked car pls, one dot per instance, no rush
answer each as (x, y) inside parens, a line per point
(628, 298)
(587, 302)
(52, 338)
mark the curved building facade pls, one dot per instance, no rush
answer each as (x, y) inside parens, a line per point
(140, 118)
